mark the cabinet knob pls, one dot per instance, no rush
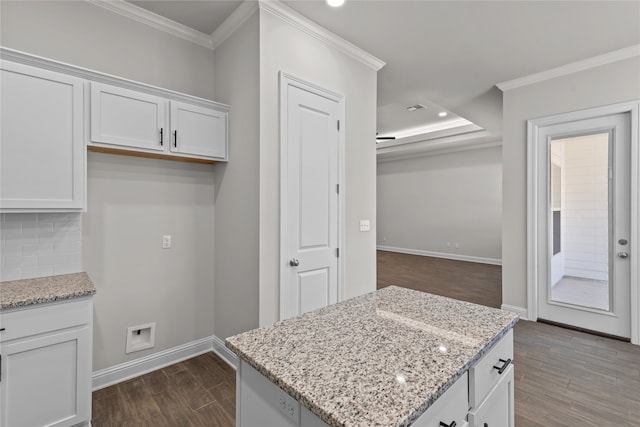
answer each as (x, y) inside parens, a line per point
(161, 136)
(294, 262)
(175, 138)
(2, 329)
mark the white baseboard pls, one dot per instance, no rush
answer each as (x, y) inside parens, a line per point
(124, 371)
(457, 257)
(522, 312)
(225, 354)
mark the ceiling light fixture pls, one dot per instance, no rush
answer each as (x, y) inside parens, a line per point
(415, 107)
(442, 114)
(335, 3)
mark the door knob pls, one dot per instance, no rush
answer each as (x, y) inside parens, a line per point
(294, 262)
(623, 254)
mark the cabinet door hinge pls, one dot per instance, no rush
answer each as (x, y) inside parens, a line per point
(338, 252)
(338, 188)
(338, 124)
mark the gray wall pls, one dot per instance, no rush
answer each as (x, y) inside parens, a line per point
(133, 202)
(430, 203)
(237, 183)
(608, 84)
(85, 35)
(285, 48)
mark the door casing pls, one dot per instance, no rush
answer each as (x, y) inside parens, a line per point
(287, 80)
(534, 159)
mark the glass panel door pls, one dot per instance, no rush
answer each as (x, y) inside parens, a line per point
(580, 210)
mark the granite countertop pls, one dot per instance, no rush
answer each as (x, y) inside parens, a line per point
(380, 359)
(20, 293)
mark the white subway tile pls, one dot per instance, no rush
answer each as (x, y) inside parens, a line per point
(37, 249)
(67, 246)
(38, 271)
(35, 245)
(19, 218)
(75, 267)
(10, 274)
(18, 261)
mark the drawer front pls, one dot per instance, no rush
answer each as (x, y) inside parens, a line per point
(484, 375)
(44, 318)
(451, 407)
(497, 409)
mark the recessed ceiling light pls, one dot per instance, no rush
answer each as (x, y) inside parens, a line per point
(335, 3)
(442, 114)
(415, 107)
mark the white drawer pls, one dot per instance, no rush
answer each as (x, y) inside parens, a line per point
(451, 406)
(38, 319)
(486, 373)
(498, 408)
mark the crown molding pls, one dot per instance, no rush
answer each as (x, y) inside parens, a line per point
(444, 145)
(13, 55)
(574, 67)
(233, 22)
(287, 14)
(156, 21)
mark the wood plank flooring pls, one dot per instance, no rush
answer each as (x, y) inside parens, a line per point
(563, 378)
(199, 392)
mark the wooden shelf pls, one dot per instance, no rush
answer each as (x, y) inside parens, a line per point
(146, 155)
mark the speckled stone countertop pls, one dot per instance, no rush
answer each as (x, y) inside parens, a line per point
(380, 359)
(20, 293)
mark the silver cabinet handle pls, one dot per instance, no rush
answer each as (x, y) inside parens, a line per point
(623, 254)
(294, 262)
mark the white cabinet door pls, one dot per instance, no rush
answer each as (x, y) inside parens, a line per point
(498, 408)
(45, 366)
(128, 118)
(198, 131)
(41, 378)
(42, 158)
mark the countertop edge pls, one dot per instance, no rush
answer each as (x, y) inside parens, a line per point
(25, 293)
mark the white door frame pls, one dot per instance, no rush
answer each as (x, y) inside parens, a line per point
(533, 162)
(287, 80)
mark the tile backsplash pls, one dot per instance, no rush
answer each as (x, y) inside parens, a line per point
(42, 244)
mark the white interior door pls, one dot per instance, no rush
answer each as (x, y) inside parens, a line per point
(584, 215)
(310, 211)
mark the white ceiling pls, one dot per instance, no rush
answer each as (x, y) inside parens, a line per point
(450, 54)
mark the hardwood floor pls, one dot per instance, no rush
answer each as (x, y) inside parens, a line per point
(468, 281)
(199, 392)
(563, 378)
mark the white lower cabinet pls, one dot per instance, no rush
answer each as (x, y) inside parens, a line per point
(45, 365)
(497, 410)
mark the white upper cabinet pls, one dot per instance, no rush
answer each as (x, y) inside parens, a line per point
(198, 131)
(141, 122)
(127, 118)
(42, 157)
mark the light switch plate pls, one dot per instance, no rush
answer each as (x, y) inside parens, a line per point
(365, 225)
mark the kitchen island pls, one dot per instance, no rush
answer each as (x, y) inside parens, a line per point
(394, 357)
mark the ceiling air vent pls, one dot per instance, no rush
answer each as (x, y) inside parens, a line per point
(415, 107)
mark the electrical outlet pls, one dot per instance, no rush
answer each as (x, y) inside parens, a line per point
(289, 406)
(166, 241)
